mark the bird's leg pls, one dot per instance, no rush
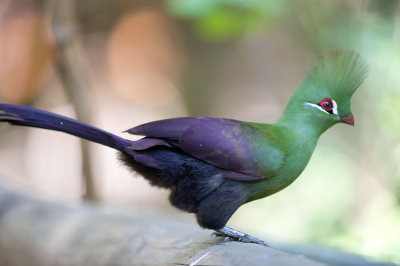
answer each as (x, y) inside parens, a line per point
(235, 235)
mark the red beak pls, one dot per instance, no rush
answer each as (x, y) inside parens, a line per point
(348, 119)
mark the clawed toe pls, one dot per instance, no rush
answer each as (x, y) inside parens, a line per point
(234, 235)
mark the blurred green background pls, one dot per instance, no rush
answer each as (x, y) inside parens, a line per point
(116, 64)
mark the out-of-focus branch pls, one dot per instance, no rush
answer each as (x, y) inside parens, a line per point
(72, 70)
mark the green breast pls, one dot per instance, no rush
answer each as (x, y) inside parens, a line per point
(296, 147)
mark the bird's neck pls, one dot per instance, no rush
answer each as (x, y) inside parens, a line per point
(298, 139)
(302, 129)
(298, 117)
(302, 139)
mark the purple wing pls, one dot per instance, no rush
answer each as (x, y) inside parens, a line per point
(221, 142)
(166, 129)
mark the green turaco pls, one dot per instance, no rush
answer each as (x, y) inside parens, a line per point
(214, 165)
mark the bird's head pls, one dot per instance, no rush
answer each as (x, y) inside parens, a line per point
(323, 98)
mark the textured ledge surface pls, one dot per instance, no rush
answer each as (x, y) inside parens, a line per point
(35, 232)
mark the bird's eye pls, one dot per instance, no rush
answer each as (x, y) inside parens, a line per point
(326, 104)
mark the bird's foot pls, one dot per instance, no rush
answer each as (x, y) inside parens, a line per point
(234, 235)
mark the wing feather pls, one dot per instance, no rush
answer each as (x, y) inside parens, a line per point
(225, 143)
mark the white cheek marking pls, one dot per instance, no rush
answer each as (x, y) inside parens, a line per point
(334, 109)
(317, 106)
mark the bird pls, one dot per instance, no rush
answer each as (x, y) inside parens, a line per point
(212, 166)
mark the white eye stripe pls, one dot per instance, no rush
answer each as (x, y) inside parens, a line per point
(334, 108)
(317, 106)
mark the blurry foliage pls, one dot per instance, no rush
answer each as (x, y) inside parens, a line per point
(326, 27)
(220, 20)
(388, 110)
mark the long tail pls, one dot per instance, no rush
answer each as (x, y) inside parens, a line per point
(27, 116)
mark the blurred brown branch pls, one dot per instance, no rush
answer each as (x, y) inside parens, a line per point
(72, 70)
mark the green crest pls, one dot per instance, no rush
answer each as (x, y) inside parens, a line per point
(336, 75)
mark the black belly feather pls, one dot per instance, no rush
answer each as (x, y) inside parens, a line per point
(196, 186)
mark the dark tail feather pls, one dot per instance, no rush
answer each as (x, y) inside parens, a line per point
(27, 116)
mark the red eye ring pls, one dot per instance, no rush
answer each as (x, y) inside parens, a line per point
(326, 104)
